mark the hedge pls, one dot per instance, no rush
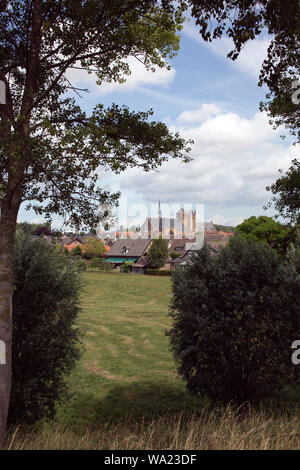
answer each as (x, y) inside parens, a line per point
(158, 272)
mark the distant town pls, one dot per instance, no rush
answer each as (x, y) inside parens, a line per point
(131, 245)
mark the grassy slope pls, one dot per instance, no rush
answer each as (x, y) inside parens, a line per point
(126, 367)
(125, 393)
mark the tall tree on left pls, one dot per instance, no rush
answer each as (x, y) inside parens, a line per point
(50, 150)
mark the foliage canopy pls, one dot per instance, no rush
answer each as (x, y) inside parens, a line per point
(266, 230)
(243, 21)
(50, 149)
(286, 190)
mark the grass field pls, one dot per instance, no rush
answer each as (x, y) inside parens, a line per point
(124, 392)
(127, 367)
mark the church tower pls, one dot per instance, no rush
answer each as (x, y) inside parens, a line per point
(159, 219)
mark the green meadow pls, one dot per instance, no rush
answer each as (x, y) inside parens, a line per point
(126, 367)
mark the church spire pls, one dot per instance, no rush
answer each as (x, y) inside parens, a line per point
(159, 211)
(159, 218)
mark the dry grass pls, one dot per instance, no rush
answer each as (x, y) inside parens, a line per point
(225, 429)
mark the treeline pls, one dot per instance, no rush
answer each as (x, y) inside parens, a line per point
(224, 228)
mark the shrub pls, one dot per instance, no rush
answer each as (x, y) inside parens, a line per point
(235, 317)
(100, 264)
(125, 268)
(158, 272)
(46, 340)
(158, 253)
(76, 251)
(107, 266)
(96, 263)
(82, 264)
(93, 247)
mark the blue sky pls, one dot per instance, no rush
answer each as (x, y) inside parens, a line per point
(215, 102)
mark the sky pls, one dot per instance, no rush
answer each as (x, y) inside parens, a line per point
(214, 101)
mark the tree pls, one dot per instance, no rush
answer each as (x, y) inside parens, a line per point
(286, 190)
(50, 149)
(234, 319)
(243, 21)
(46, 337)
(93, 247)
(96, 263)
(31, 229)
(293, 252)
(76, 251)
(157, 254)
(43, 230)
(224, 228)
(266, 230)
(125, 267)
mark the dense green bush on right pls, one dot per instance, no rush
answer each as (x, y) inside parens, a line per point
(235, 317)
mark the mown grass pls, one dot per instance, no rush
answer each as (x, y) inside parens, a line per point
(126, 368)
(125, 394)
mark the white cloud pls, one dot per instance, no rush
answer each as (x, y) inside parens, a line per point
(139, 77)
(251, 57)
(225, 132)
(234, 159)
(222, 220)
(198, 115)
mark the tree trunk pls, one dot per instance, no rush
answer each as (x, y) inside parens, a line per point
(7, 237)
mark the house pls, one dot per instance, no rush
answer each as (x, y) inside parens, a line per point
(140, 266)
(215, 236)
(124, 250)
(184, 259)
(71, 242)
(178, 245)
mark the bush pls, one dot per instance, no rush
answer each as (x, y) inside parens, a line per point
(107, 266)
(82, 264)
(157, 254)
(76, 251)
(235, 317)
(46, 340)
(158, 272)
(100, 264)
(96, 263)
(93, 247)
(125, 267)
